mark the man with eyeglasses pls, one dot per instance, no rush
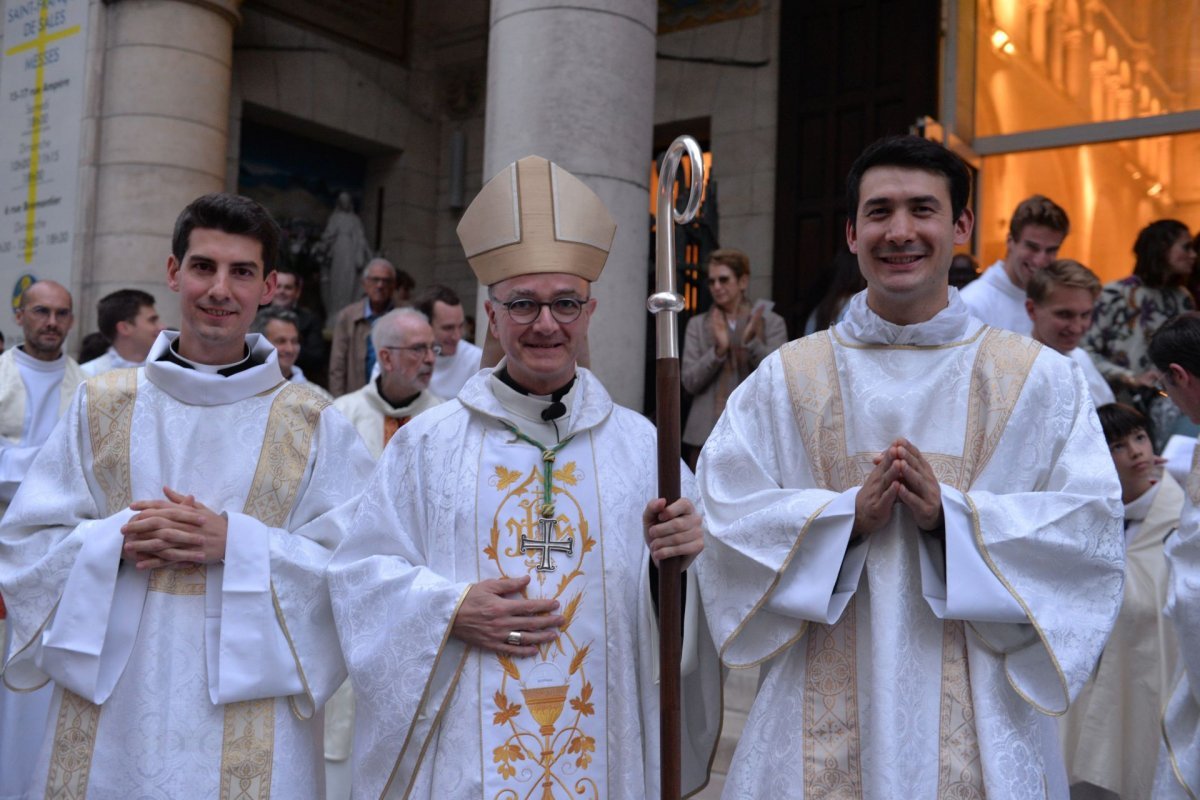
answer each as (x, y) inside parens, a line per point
(37, 382)
(352, 358)
(404, 341)
(494, 601)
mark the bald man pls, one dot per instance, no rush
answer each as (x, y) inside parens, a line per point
(37, 381)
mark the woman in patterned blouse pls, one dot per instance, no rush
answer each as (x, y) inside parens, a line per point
(1130, 310)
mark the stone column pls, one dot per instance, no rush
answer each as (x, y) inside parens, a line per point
(574, 82)
(163, 126)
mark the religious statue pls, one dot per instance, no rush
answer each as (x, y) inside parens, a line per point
(342, 251)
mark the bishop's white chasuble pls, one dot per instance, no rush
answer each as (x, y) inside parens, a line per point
(904, 664)
(201, 682)
(579, 719)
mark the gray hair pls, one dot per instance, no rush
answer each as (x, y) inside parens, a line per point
(269, 313)
(383, 330)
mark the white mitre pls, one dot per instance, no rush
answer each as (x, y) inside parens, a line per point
(536, 217)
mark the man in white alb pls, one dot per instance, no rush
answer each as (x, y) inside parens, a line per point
(458, 359)
(1035, 234)
(493, 599)
(405, 345)
(128, 320)
(1175, 352)
(37, 381)
(169, 546)
(1060, 299)
(915, 527)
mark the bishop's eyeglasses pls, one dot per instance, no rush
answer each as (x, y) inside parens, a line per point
(523, 310)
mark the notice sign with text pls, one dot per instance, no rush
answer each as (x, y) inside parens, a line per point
(41, 114)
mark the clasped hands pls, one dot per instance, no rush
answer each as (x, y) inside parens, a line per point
(901, 475)
(174, 533)
(492, 609)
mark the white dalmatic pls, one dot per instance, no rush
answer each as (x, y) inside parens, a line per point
(542, 716)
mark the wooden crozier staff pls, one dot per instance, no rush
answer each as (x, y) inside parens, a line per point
(664, 304)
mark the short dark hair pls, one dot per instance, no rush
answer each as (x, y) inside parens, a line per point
(911, 152)
(122, 305)
(1119, 420)
(229, 213)
(435, 293)
(1177, 341)
(1150, 251)
(268, 313)
(1038, 210)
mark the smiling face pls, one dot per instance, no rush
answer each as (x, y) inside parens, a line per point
(904, 234)
(286, 339)
(404, 371)
(541, 354)
(221, 284)
(1133, 456)
(1034, 248)
(287, 290)
(448, 323)
(1062, 319)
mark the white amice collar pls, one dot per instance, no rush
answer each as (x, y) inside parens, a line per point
(26, 361)
(863, 326)
(1136, 510)
(203, 386)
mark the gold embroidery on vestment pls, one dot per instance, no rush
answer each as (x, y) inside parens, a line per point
(110, 401)
(249, 732)
(74, 744)
(832, 764)
(831, 733)
(248, 750)
(538, 743)
(960, 773)
(248, 744)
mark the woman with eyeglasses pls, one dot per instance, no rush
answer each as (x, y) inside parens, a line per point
(724, 344)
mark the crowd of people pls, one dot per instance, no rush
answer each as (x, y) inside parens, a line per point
(940, 523)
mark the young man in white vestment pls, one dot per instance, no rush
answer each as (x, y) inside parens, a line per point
(457, 359)
(170, 545)
(1112, 731)
(129, 321)
(1035, 234)
(1060, 299)
(503, 541)
(915, 527)
(37, 382)
(1175, 351)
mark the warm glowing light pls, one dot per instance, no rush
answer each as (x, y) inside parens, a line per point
(1155, 190)
(1009, 49)
(1000, 40)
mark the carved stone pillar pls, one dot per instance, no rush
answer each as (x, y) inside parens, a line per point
(162, 132)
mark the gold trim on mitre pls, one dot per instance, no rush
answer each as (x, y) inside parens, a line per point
(535, 217)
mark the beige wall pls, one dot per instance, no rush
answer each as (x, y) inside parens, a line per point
(742, 104)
